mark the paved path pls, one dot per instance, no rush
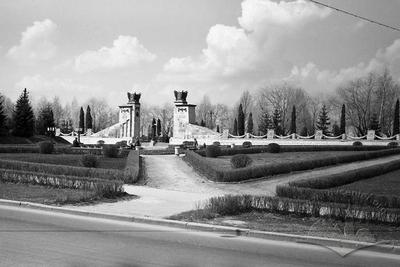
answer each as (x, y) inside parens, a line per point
(173, 187)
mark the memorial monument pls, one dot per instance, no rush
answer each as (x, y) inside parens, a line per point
(184, 114)
(129, 117)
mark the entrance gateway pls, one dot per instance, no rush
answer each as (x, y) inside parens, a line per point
(129, 117)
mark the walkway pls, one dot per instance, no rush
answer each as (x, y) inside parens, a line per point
(173, 187)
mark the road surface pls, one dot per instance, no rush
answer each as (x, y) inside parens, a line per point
(39, 238)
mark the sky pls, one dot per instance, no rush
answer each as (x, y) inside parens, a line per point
(72, 48)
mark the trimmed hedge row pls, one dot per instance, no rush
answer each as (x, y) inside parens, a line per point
(338, 196)
(100, 186)
(224, 205)
(329, 181)
(108, 174)
(214, 173)
(132, 169)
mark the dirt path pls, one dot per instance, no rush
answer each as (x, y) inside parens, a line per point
(172, 173)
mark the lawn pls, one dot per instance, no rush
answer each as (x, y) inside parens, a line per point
(277, 158)
(64, 159)
(293, 224)
(385, 184)
(44, 194)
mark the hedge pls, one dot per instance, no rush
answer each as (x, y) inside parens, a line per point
(108, 174)
(132, 169)
(338, 196)
(100, 186)
(244, 203)
(214, 173)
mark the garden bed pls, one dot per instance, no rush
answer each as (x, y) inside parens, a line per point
(220, 170)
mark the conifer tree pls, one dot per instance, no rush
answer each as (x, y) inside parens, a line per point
(82, 120)
(374, 123)
(304, 131)
(2, 116)
(293, 122)
(158, 127)
(276, 120)
(336, 130)
(89, 119)
(323, 121)
(240, 121)
(250, 125)
(23, 117)
(202, 123)
(343, 120)
(396, 121)
(217, 128)
(235, 127)
(45, 119)
(264, 123)
(153, 128)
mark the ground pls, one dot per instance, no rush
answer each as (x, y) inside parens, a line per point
(65, 159)
(385, 184)
(274, 158)
(308, 226)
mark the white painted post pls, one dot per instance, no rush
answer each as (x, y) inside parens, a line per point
(397, 136)
(177, 150)
(270, 134)
(318, 135)
(371, 135)
(343, 136)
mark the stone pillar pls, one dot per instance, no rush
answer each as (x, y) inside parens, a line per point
(225, 133)
(371, 135)
(184, 114)
(129, 116)
(318, 135)
(270, 134)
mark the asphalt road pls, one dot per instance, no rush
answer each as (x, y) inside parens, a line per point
(40, 238)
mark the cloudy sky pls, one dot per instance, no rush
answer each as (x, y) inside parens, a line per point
(216, 47)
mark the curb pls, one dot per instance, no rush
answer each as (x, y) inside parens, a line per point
(383, 247)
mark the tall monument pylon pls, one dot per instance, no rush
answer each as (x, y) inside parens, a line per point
(129, 117)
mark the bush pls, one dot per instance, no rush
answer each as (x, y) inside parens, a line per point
(46, 147)
(89, 161)
(110, 151)
(132, 169)
(274, 148)
(393, 145)
(229, 204)
(357, 143)
(216, 143)
(240, 161)
(246, 144)
(100, 143)
(121, 144)
(213, 151)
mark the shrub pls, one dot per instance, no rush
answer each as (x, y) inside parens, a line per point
(246, 144)
(229, 204)
(216, 143)
(213, 151)
(357, 143)
(240, 161)
(393, 145)
(110, 151)
(274, 148)
(89, 161)
(132, 169)
(121, 143)
(100, 143)
(46, 147)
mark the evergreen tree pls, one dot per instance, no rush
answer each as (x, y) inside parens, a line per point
(2, 116)
(202, 123)
(45, 120)
(374, 123)
(23, 117)
(343, 120)
(158, 127)
(153, 128)
(276, 120)
(240, 121)
(323, 121)
(264, 123)
(82, 120)
(250, 123)
(336, 130)
(304, 131)
(396, 120)
(235, 127)
(293, 122)
(217, 128)
(89, 119)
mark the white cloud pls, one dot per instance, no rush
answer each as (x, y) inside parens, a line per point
(257, 44)
(310, 76)
(126, 51)
(35, 44)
